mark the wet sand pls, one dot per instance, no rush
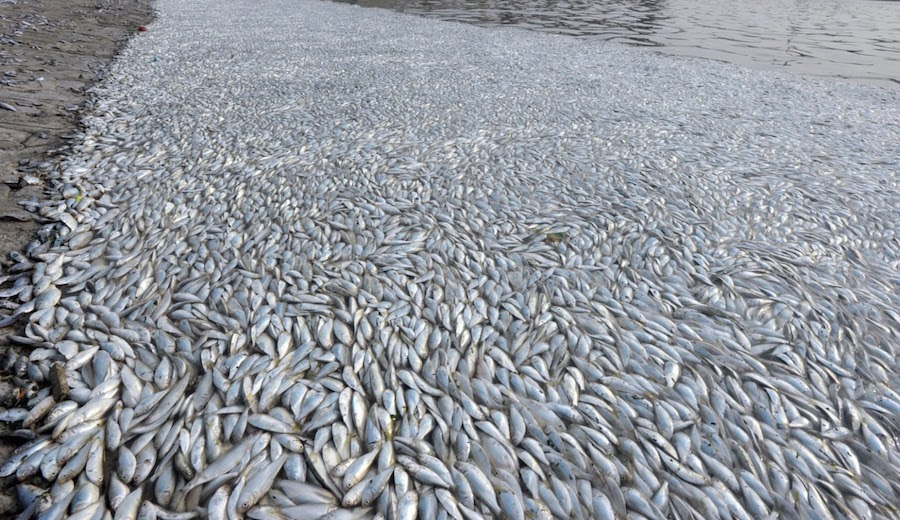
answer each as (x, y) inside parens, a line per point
(51, 53)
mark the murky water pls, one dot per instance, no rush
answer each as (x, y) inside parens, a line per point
(851, 39)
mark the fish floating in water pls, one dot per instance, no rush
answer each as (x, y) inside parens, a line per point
(269, 294)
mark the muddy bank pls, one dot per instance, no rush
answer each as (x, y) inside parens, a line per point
(51, 53)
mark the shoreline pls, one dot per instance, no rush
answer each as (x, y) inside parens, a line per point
(51, 53)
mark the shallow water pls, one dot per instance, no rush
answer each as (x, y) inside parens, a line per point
(854, 39)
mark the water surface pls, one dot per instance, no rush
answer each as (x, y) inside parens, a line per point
(850, 39)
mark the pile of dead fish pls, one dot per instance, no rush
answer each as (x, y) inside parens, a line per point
(315, 261)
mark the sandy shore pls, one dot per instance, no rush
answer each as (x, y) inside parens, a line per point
(51, 53)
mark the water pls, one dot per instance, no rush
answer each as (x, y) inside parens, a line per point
(851, 39)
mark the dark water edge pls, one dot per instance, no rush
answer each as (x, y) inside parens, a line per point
(855, 40)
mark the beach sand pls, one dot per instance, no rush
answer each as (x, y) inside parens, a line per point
(51, 53)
